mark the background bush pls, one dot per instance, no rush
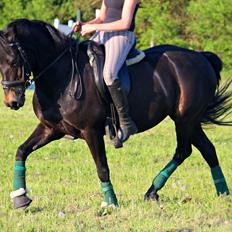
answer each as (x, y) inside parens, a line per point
(197, 24)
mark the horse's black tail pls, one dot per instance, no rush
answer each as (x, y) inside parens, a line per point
(221, 105)
(216, 63)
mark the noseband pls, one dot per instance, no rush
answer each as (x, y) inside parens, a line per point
(27, 71)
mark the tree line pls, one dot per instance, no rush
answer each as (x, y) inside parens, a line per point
(196, 24)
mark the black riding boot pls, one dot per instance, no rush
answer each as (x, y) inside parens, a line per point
(120, 101)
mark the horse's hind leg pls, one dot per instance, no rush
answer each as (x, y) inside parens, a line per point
(203, 144)
(183, 150)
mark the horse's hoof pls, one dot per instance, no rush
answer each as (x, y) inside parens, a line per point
(151, 194)
(106, 209)
(21, 202)
(117, 142)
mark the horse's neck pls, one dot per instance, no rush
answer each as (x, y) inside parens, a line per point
(57, 79)
(67, 79)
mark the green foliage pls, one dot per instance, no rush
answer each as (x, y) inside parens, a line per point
(46, 9)
(201, 25)
(197, 24)
(6, 11)
(161, 22)
(87, 8)
(66, 192)
(210, 28)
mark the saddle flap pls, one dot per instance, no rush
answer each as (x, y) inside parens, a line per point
(97, 59)
(96, 55)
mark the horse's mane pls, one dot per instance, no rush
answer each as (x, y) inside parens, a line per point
(3, 40)
(4, 44)
(25, 26)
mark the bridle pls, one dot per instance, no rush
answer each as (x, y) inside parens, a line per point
(26, 68)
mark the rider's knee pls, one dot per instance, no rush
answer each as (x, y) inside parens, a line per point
(109, 77)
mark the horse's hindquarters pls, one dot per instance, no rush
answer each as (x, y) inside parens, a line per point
(176, 83)
(148, 100)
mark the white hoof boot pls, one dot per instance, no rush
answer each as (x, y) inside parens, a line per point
(106, 205)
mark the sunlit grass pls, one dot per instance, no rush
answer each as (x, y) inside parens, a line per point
(66, 193)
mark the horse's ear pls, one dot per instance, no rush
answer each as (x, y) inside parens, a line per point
(55, 35)
(52, 31)
(2, 35)
(10, 33)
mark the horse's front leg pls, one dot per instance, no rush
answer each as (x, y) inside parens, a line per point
(96, 145)
(41, 136)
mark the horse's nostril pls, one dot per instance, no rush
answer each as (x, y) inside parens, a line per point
(14, 105)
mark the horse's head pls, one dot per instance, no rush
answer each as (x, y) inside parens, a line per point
(26, 46)
(14, 69)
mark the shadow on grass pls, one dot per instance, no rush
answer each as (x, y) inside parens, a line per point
(34, 210)
(180, 230)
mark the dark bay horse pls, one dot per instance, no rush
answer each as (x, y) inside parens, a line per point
(170, 81)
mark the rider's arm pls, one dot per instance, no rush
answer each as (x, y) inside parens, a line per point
(124, 23)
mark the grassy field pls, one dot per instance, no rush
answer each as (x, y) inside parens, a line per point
(66, 192)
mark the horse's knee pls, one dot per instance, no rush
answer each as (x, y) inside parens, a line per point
(21, 153)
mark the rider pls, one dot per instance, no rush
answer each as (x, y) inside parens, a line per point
(114, 28)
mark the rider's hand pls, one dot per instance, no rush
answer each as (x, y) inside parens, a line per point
(88, 28)
(77, 26)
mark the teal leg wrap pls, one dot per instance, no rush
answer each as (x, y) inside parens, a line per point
(109, 195)
(19, 175)
(164, 174)
(219, 181)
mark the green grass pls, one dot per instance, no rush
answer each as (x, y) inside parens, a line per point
(66, 192)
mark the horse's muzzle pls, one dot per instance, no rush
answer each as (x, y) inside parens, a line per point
(15, 104)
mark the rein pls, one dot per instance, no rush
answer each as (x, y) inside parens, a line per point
(27, 68)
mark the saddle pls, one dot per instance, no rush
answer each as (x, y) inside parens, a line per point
(96, 55)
